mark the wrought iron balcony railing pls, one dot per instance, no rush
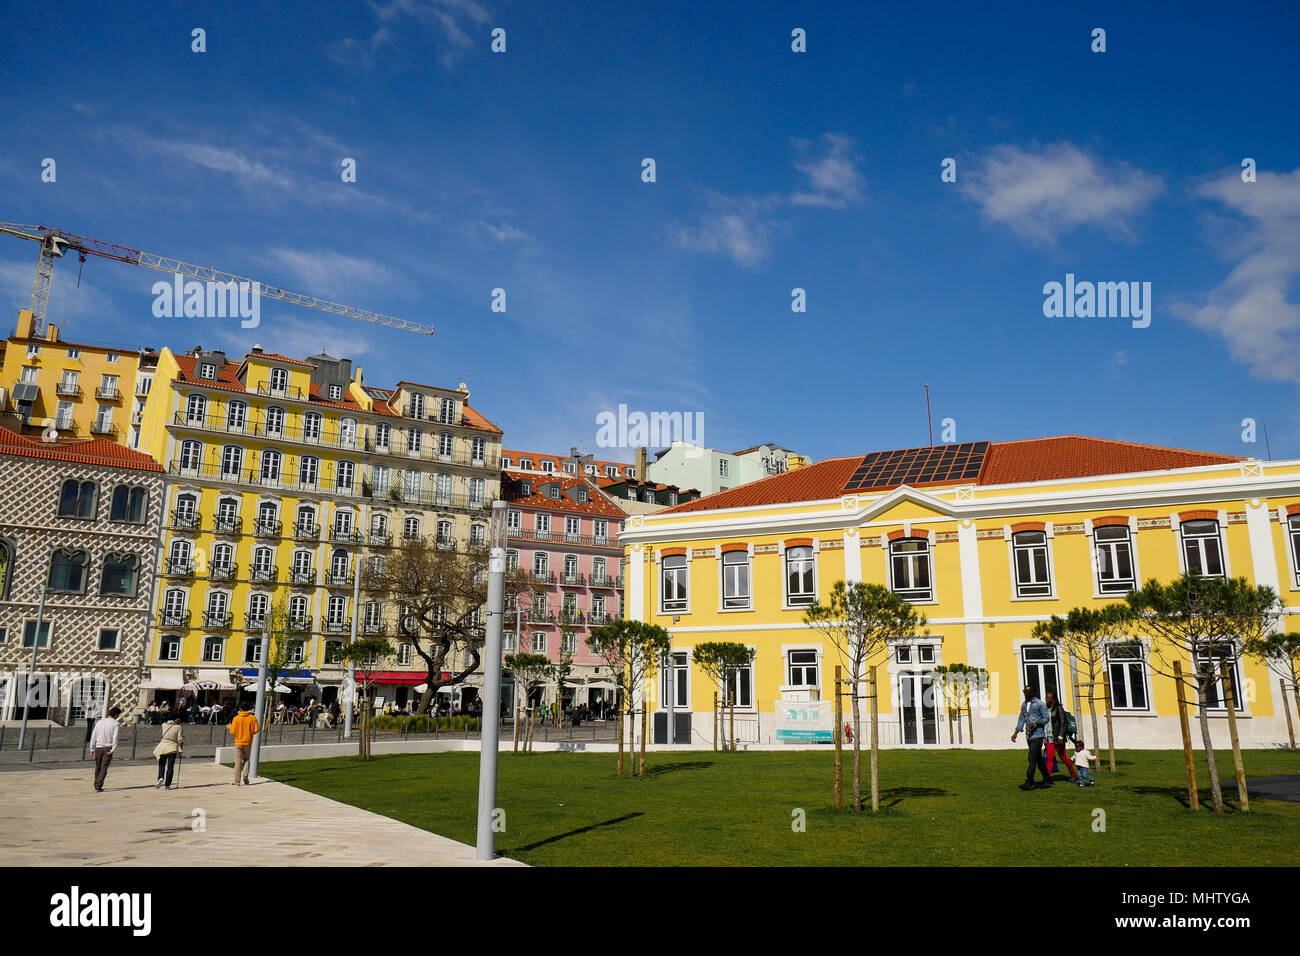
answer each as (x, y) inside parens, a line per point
(227, 524)
(262, 574)
(223, 572)
(182, 521)
(178, 568)
(216, 620)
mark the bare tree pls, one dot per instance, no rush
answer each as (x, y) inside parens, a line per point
(367, 656)
(528, 671)
(862, 620)
(632, 650)
(439, 594)
(1204, 621)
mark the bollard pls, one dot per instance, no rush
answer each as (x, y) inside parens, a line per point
(31, 756)
(47, 737)
(135, 740)
(211, 729)
(2, 738)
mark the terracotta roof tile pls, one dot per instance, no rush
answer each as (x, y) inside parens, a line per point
(96, 451)
(277, 357)
(227, 374)
(596, 503)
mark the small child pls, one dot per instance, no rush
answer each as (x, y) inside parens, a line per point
(1081, 760)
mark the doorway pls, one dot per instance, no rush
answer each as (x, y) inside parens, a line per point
(918, 712)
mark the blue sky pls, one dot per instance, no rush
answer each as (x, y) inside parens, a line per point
(775, 170)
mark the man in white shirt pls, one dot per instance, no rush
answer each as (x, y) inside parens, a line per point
(103, 741)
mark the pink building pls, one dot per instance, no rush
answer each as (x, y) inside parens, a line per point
(564, 532)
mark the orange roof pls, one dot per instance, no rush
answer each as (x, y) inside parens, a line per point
(596, 503)
(538, 457)
(95, 451)
(277, 357)
(1010, 462)
(314, 395)
(227, 374)
(475, 420)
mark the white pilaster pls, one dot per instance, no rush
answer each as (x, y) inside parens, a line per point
(972, 597)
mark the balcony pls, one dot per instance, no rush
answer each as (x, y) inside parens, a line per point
(104, 428)
(576, 579)
(262, 575)
(604, 581)
(445, 544)
(178, 568)
(298, 625)
(540, 615)
(585, 540)
(216, 620)
(108, 394)
(595, 618)
(227, 524)
(266, 529)
(338, 579)
(68, 389)
(302, 576)
(306, 532)
(254, 623)
(374, 628)
(173, 618)
(379, 539)
(543, 577)
(223, 572)
(338, 536)
(337, 625)
(289, 391)
(250, 477)
(184, 521)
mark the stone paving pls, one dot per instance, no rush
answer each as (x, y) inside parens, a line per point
(53, 817)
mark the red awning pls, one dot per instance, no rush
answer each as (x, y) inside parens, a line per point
(392, 677)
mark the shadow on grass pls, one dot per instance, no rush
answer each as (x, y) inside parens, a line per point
(580, 830)
(657, 769)
(893, 796)
(1179, 796)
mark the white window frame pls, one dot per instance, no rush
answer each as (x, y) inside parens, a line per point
(685, 607)
(932, 597)
(739, 602)
(1093, 545)
(1012, 549)
(1217, 537)
(786, 603)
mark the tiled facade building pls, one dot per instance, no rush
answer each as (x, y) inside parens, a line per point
(80, 519)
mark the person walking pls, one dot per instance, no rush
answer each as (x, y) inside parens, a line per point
(242, 728)
(1060, 732)
(1082, 758)
(103, 741)
(1034, 719)
(169, 747)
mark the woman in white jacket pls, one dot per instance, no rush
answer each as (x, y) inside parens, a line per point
(166, 752)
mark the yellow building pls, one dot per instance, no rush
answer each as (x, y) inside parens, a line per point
(81, 390)
(281, 472)
(986, 539)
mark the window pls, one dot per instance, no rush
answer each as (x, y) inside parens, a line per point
(722, 468)
(548, 467)
(553, 491)
(68, 570)
(1293, 528)
(270, 465)
(542, 525)
(903, 654)
(258, 605)
(218, 606)
(308, 470)
(196, 409)
(512, 560)
(74, 353)
(28, 375)
(444, 445)
(7, 553)
(379, 480)
(740, 687)
(508, 641)
(345, 476)
(68, 381)
(63, 416)
(1202, 547)
(411, 527)
(442, 489)
(909, 560)
(515, 523)
(169, 648)
(108, 639)
(77, 499)
(129, 504)
(801, 668)
(383, 434)
(33, 351)
(191, 455)
(339, 565)
(300, 566)
(403, 654)
(572, 528)
(925, 654)
(118, 577)
(348, 432)
(262, 562)
(539, 642)
(597, 569)
(477, 491)
(415, 406)
(223, 558)
(336, 392)
(29, 633)
(580, 494)
(570, 567)
(478, 450)
(297, 650)
(800, 576)
(336, 612)
(1126, 665)
(253, 651)
(174, 606)
(600, 528)
(298, 610)
(214, 650)
(673, 593)
(186, 509)
(279, 380)
(1029, 554)
(1115, 574)
(232, 461)
(541, 563)
(311, 426)
(447, 412)
(477, 534)
(735, 579)
(379, 524)
(672, 497)
(275, 421)
(1211, 658)
(108, 386)
(505, 461)
(236, 415)
(1039, 665)
(411, 484)
(111, 358)
(343, 521)
(569, 644)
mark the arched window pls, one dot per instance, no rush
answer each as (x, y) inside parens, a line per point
(445, 445)
(411, 528)
(174, 607)
(414, 441)
(344, 475)
(348, 432)
(68, 570)
(118, 577)
(444, 532)
(129, 504)
(383, 433)
(541, 563)
(570, 565)
(477, 534)
(279, 380)
(191, 455)
(196, 409)
(411, 484)
(236, 416)
(415, 406)
(270, 465)
(258, 605)
(227, 519)
(274, 420)
(186, 509)
(339, 565)
(77, 499)
(311, 423)
(478, 450)
(308, 470)
(232, 461)
(298, 610)
(267, 512)
(477, 491)
(306, 523)
(443, 489)
(223, 559)
(301, 567)
(262, 562)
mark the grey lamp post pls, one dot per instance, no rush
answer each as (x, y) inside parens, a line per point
(31, 670)
(352, 667)
(489, 738)
(259, 708)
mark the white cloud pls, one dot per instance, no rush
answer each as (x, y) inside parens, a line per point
(330, 274)
(503, 232)
(67, 298)
(835, 178)
(299, 336)
(1045, 194)
(740, 229)
(450, 20)
(1250, 309)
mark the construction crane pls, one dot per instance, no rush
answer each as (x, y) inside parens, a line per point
(55, 244)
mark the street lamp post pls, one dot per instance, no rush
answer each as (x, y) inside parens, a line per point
(31, 670)
(489, 742)
(352, 666)
(259, 708)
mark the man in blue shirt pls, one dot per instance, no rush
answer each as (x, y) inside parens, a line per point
(1034, 718)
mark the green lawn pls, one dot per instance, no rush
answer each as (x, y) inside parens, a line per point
(949, 808)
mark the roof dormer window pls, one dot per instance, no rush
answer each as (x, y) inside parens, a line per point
(554, 491)
(207, 370)
(580, 494)
(336, 392)
(548, 466)
(525, 488)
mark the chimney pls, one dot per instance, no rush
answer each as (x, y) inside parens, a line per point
(795, 461)
(640, 464)
(26, 323)
(52, 332)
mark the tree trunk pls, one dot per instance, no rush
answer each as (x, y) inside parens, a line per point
(618, 716)
(733, 721)
(875, 745)
(715, 720)
(531, 723)
(1193, 798)
(1286, 706)
(1092, 706)
(516, 722)
(1216, 793)
(839, 740)
(644, 727)
(1295, 691)
(1110, 730)
(1230, 694)
(857, 745)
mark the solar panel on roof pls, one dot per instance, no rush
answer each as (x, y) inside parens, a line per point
(888, 469)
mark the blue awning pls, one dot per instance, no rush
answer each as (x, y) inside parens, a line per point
(251, 672)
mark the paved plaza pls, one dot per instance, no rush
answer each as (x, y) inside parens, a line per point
(53, 817)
